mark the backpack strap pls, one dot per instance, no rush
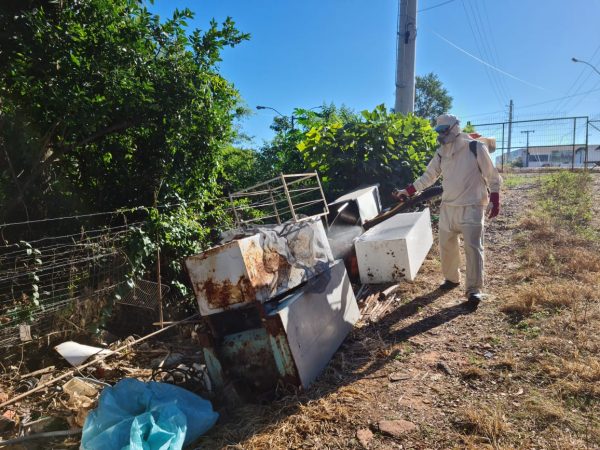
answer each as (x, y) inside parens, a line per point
(473, 148)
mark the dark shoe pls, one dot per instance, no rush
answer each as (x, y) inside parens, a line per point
(448, 285)
(474, 300)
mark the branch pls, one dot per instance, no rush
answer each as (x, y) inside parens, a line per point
(43, 163)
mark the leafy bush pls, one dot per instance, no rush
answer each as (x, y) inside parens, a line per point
(381, 147)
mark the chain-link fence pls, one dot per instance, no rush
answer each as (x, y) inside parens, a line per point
(568, 142)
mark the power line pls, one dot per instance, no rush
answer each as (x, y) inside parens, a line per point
(487, 63)
(489, 38)
(583, 98)
(491, 79)
(435, 6)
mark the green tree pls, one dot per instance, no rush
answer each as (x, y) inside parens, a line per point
(281, 154)
(431, 98)
(239, 169)
(469, 128)
(380, 147)
(104, 105)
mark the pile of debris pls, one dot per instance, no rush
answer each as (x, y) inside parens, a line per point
(275, 303)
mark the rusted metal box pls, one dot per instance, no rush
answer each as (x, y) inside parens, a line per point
(296, 338)
(395, 249)
(259, 267)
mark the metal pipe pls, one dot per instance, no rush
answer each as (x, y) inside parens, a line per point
(574, 137)
(275, 207)
(587, 129)
(287, 194)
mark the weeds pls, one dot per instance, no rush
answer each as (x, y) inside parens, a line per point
(556, 304)
(483, 421)
(566, 198)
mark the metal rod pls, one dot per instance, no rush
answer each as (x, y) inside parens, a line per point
(287, 194)
(532, 120)
(300, 180)
(160, 303)
(235, 214)
(587, 129)
(502, 161)
(574, 137)
(322, 193)
(295, 175)
(275, 207)
(44, 435)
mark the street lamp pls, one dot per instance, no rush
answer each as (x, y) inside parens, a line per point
(292, 117)
(278, 113)
(585, 62)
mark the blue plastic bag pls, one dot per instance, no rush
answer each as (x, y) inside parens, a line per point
(133, 415)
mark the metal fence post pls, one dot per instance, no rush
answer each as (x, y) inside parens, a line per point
(574, 137)
(502, 161)
(587, 129)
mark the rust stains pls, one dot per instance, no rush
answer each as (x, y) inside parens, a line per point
(222, 294)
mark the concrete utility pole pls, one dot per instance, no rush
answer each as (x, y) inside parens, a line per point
(510, 119)
(405, 56)
(527, 146)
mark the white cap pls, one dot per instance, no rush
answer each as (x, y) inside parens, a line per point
(444, 121)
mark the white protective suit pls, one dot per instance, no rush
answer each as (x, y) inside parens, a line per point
(466, 180)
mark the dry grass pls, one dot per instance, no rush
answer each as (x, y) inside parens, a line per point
(473, 373)
(544, 411)
(291, 422)
(547, 294)
(558, 296)
(483, 421)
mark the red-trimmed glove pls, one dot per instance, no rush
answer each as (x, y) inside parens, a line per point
(494, 205)
(408, 191)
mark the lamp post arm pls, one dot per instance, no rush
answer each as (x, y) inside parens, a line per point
(586, 63)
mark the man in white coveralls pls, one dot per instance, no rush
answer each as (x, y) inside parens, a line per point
(471, 184)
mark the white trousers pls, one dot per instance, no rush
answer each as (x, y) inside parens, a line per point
(468, 222)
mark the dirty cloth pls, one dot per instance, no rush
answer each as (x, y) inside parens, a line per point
(466, 177)
(133, 415)
(302, 244)
(468, 222)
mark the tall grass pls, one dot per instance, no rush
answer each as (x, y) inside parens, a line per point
(566, 199)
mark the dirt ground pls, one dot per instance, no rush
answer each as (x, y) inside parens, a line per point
(442, 375)
(520, 372)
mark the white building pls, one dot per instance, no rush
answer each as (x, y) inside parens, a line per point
(552, 156)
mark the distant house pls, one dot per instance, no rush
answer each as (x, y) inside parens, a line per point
(552, 156)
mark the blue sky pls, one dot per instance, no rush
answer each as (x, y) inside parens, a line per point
(304, 53)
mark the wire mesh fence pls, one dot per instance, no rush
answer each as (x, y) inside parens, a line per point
(58, 282)
(568, 142)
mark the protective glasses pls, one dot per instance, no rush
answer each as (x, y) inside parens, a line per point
(442, 129)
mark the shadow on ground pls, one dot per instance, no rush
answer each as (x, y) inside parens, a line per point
(351, 363)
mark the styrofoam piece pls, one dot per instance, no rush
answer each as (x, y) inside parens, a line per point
(76, 353)
(395, 249)
(317, 319)
(251, 269)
